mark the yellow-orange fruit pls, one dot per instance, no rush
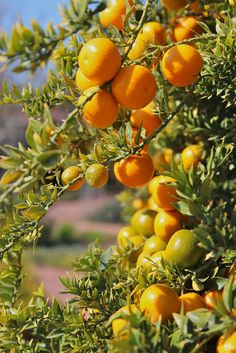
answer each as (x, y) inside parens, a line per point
(119, 325)
(181, 65)
(83, 82)
(146, 118)
(227, 343)
(124, 235)
(190, 156)
(113, 13)
(192, 301)
(166, 224)
(174, 4)
(69, 174)
(164, 194)
(134, 87)
(187, 28)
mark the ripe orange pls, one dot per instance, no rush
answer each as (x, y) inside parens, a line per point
(174, 4)
(187, 28)
(124, 234)
(212, 298)
(145, 116)
(83, 82)
(144, 260)
(192, 301)
(158, 257)
(99, 59)
(166, 224)
(162, 158)
(152, 205)
(138, 204)
(96, 175)
(101, 111)
(152, 184)
(190, 156)
(69, 174)
(227, 343)
(112, 15)
(140, 140)
(134, 87)
(159, 302)
(154, 244)
(119, 325)
(164, 194)
(143, 222)
(182, 249)
(134, 171)
(181, 65)
(151, 33)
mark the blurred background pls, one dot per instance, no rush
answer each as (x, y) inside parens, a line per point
(80, 217)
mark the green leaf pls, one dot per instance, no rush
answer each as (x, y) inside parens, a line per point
(49, 159)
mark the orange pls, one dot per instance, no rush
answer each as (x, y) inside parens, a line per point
(101, 111)
(190, 156)
(152, 184)
(154, 244)
(83, 82)
(140, 140)
(212, 298)
(162, 158)
(187, 28)
(174, 4)
(159, 302)
(143, 222)
(69, 174)
(124, 234)
(158, 257)
(182, 249)
(112, 15)
(119, 326)
(192, 301)
(181, 65)
(138, 204)
(134, 87)
(151, 33)
(195, 7)
(96, 175)
(136, 242)
(144, 259)
(152, 205)
(164, 194)
(99, 59)
(134, 171)
(227, 343)
(166, 224)
(145, 116)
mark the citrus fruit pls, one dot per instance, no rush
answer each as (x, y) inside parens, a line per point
(164, 194)
(192, 301)
(83, 82)
(69, 174)
(190, 156)
(146, 118)
(158, 257)
(99, 59)
(162, 158)
(227, 343)
(101, 110)
(124, 234)
(134, 171)
(182, 249)
(154, 244)
(152, 205)
(112, 15)
(212, 298)
(152, 184)
(134, 87)
(181, 65)
(138, 204)
(159, 302)
(174, 4)
(96, 175)
(166, 224)
(119, 325)
(143, 222)
(187, 28)
(144, 259)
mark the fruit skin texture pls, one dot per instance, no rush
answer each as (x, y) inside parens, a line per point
(164, 194)
(118, 325)
(190, 156)
(124, 234)
(187, 28)
(159, 301)
(112, 15)
(96, 175)
(192, 301)
(227, 343)
(158, 257)
(181, 65)
(166, 224)
(145, 116)
(83, 82)
(182, 249)
(69, 174)
(151, 33)
(212, 298)
(99, 59)
(143, 222)
(134, 171)
(101, 111)
(154, 244)
(174, 4)
(134, 87)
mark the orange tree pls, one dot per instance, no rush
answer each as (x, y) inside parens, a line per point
(150, 90)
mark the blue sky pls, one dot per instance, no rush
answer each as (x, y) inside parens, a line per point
(43, 10)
